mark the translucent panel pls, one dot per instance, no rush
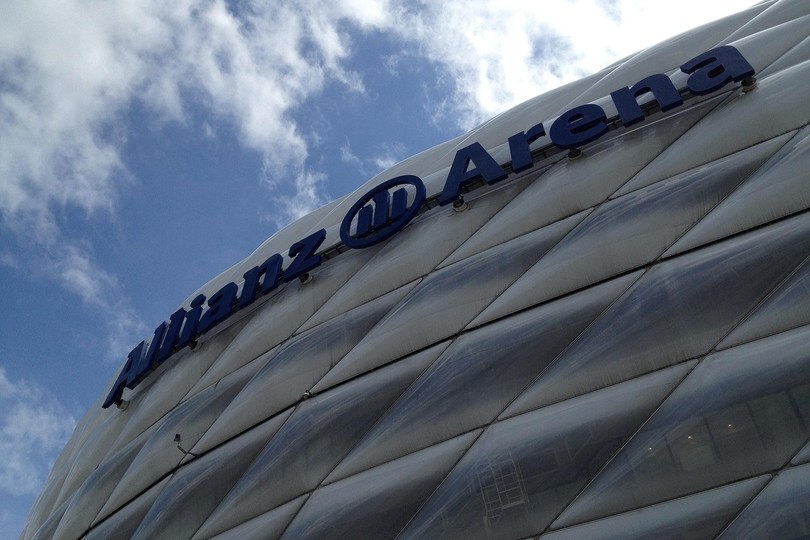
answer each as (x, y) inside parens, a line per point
(48, 527)
(95, 442)
(796, 55)
(199, 485)
(738, 414)
(630, 231)
(787, 307)
(763, 48)
(44, 503)
(122, 524)
(280, 316)
(448, 299)
(778, 189)
(696, 517)
(83, 431)
(572, 186)
(804, 454)
(269, 525)
(218, 433)
(377, 503)
(343, 372)
(164, 388)
(780, 511)
(43, 507)
(743, 120)
(679, 309)
(96, 489)
(478, 376)
(160, 455)
(665, 56)
(776, 13)
(87, 430)
(318, 434)
(774, 108)
(296, 367)
(222, 368)
(417, 250)
(523, 471)
(801, 398)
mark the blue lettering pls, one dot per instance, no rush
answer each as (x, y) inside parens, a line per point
(662, 89)
(579, 126)
(304, 253)
(144, 364)
(380, 214)
(220, 307)
(270, 270)
(172, 336)
(486, 168)
(117, 390)
(190, 333)
(716, 68)
(519, 147)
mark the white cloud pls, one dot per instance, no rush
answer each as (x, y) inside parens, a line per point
(9, 260)
(350, 158)
(72, 69)
(123, 330)
(499, 53)
(33, 429)
(384, 156)
(387, 155)
(77, 273)
(70, 264)
(306, 197)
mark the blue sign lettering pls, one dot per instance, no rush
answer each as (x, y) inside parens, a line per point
(661, 88)
(487, 169)
(381, 220)
(381, 213)
(184, 327)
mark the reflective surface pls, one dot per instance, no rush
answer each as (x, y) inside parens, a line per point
(741, 412)
(780, 511)
(613, 346)
(524, 470)
(334, 510)
(478, 375)
(689, 518)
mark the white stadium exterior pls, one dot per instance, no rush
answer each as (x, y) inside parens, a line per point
(587, 318)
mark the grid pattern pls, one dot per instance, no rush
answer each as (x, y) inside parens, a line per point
(614, 346)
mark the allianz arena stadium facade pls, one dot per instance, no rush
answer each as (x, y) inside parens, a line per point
(587, 318)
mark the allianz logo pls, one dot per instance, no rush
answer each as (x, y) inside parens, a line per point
(385, 211)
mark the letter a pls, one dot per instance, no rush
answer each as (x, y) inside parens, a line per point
(716, 68)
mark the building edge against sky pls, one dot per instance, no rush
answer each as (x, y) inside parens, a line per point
(603, 336)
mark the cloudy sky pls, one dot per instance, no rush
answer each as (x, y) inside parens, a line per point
(146, 146)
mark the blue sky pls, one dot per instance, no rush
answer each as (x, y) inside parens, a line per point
(147, 146)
